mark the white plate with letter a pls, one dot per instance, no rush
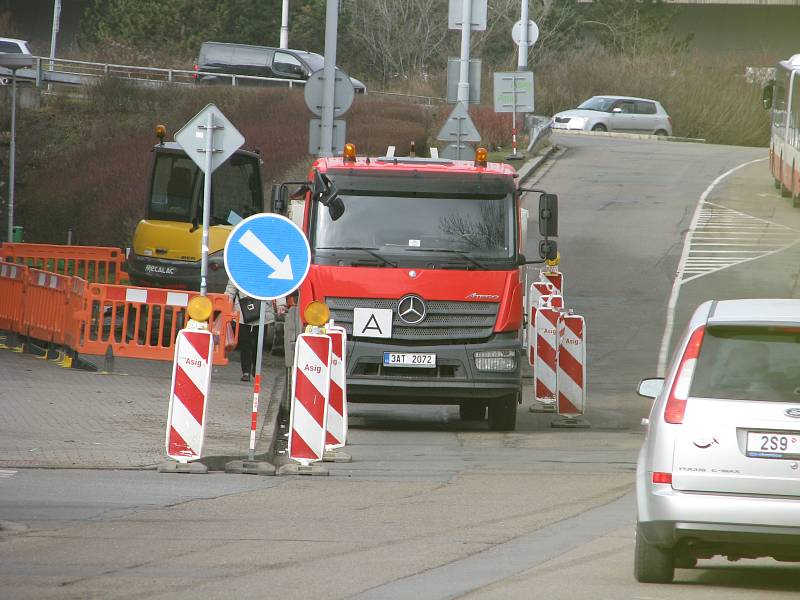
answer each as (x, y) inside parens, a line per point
(372, 322)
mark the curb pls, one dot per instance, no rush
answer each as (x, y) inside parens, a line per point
(530, 167)
(630, 136)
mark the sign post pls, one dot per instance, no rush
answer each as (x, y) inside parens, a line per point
(267, 257)
(208, 152)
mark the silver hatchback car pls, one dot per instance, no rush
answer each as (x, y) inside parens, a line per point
(719, 472)
(616, 113)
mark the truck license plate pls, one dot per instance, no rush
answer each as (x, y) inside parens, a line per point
(409, 359)
(769, 444)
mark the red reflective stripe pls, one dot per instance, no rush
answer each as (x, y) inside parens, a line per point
(177, 445)
(199, 342)
(542, 391)
(570, 366)
(319, 345)
(188, 394)
(299, 447)
(659, 477)
(550, 315)
(336, 400)
(546, 352)
(117, 294)
(309, 397)
(565, 406)
(575, 326)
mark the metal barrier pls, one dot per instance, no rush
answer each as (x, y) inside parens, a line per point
(93, 263)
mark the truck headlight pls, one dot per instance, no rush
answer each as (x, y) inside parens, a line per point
(496, 360)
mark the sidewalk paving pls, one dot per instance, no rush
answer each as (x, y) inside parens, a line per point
(69, 418)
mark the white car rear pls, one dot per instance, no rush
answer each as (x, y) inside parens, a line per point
(719, 472)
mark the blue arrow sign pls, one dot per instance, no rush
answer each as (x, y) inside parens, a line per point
(267, 256)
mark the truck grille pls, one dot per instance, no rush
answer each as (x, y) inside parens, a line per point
(445, 320)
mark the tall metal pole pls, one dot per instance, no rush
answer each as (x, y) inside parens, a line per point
(331, 29)
(206, 205)
(463, 75)
(522, 62)
(257, 378)
(56, 27)
(285, 24)
(12, 155)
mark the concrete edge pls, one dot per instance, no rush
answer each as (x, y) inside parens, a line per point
(630, 136)
(530, 167)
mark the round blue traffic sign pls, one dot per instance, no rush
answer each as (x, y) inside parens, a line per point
(267, 256)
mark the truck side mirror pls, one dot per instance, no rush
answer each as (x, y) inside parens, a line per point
(279, 198)
(766, 95)
(326, 193)
(548, 215)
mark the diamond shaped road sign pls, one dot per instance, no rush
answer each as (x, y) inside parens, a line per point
(226, 140)
(459, 127)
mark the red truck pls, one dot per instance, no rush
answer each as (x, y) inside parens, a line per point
(420, 259)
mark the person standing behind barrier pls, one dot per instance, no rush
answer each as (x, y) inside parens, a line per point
(248, 333)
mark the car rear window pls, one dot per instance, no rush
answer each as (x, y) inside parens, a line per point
(216, 54)
(10, 47)
(645, 108)
(749, 363)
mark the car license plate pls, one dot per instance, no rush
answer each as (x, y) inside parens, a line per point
(409, 359)
(769, 444)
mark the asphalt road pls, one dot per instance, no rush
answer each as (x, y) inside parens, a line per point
(432, 507)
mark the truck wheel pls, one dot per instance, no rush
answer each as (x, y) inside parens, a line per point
(652, 564)
(503, 413)
(472, 411)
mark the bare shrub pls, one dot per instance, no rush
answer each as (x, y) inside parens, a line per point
(89, 168)
(706, 97)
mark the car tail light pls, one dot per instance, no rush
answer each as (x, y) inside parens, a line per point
(659, 477)
(676, 402)
(670, 121)
(196, 69)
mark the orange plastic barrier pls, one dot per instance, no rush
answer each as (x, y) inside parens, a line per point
(96, 264)
(143, 322)
(12, 287)
(44, 306)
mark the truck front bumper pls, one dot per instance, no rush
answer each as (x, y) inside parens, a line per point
(454, 379)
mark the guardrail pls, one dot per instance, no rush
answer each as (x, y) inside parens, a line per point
(56, 311)
(81, 72)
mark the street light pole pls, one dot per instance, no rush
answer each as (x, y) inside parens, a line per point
(12, 154)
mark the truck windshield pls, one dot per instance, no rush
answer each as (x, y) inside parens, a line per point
(177, 190)
(473, 227)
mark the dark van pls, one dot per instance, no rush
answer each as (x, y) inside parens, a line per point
(259, 61)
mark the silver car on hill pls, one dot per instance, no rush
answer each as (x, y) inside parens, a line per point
(719, 472)
(616, 113)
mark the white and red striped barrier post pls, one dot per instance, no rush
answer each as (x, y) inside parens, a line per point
(546, 363)
(336, 421)
(571, 376)
(188, 404)
(536, 291)
(311, 377)
(553, 276)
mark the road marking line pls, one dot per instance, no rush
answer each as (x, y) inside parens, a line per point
(7, 473)
(684, 260)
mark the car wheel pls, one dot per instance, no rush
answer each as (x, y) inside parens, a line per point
(599, 127)
(652, 564)
(662, 133)
(472, 411)
(503, 413)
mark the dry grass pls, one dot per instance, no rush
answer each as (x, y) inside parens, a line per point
(706, 98)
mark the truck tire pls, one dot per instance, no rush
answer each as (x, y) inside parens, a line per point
(652, 564)
(503, 413)
(472, 411)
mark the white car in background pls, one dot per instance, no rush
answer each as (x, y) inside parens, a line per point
(616, 113)
(14, 46)
(719, 471)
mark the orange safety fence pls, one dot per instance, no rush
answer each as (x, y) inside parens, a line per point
(91, 318)
(144, 322)
(44, 304)
(92, 263)
(12, 286)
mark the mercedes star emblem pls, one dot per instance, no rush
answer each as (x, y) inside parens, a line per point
(792, 412)
(411, 309)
